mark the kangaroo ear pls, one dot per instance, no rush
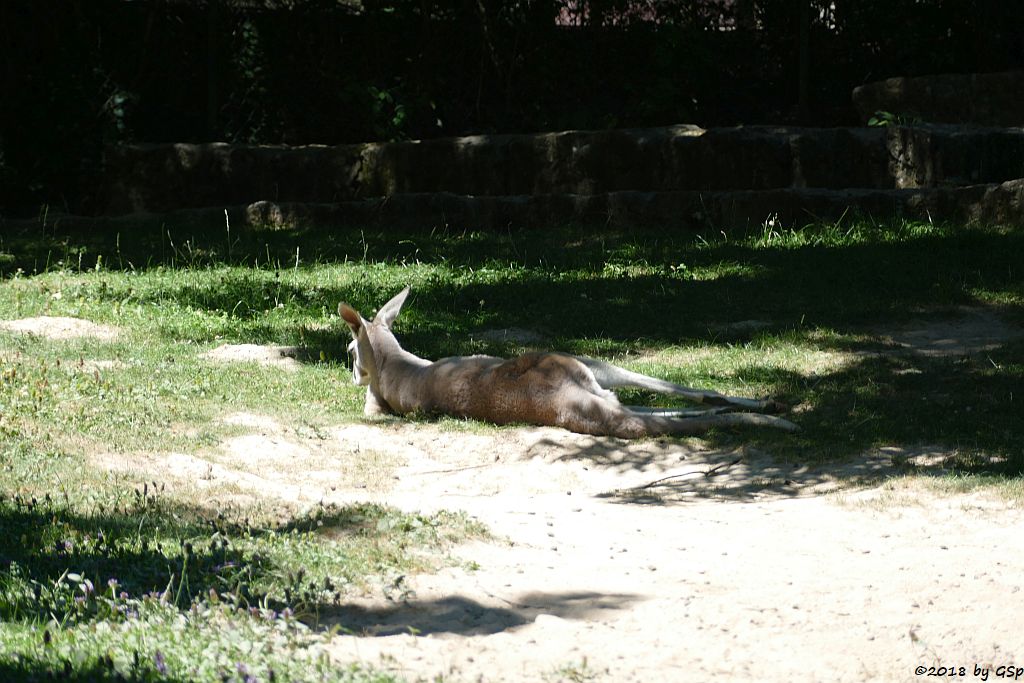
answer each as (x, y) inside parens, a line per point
(350, 316)
(389, 311)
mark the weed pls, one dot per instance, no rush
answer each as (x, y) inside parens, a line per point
(573, 672)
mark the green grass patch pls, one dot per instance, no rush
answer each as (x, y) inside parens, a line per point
(103, 577)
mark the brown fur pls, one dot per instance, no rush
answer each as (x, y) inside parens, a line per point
(538, 388)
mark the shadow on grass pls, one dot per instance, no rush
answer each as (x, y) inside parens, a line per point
(581, 283)
(45, 539)
(32, 671)
(587, 299)
(881, 416)
(171, 552)
(963, 403)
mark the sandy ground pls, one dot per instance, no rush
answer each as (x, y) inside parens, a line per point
(649, 561)
(56, 327)
(756, 572)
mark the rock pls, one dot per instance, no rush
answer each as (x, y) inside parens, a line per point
(987, 99)
(935, 155)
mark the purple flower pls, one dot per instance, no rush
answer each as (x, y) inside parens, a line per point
(87, 587)
(159, 663)
(244, 673)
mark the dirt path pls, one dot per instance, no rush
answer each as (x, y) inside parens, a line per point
(755, 573)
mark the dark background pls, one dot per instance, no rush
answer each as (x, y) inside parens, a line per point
(81, 74)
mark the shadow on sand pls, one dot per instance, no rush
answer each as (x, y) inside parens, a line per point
(463, 616)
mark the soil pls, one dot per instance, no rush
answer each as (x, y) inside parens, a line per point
(283, 357)
(55, 327)
(655, 560)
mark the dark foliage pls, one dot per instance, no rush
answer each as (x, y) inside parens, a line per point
(79, 74)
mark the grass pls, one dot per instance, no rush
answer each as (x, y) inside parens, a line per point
(104, 576)
(573, 673)
(909, 490)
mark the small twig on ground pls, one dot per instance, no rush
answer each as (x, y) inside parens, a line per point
(454, 469)
(707, 473)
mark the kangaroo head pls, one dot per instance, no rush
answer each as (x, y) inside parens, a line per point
(366, 336)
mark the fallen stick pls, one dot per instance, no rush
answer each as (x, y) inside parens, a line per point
(706, 473)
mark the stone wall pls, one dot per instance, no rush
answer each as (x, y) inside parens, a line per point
(678, 175)
(155, 178)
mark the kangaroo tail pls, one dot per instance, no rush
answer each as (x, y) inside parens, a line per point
(656, 424)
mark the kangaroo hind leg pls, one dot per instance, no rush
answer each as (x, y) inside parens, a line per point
(612, 376)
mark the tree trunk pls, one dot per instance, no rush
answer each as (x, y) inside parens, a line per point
(212, 68)
(803, 67)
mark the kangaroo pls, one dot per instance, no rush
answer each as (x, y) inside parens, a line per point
(549, 388)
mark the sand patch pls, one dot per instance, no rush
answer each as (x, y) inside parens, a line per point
(271, 462)
(283, 357)
(55, 327)
(970, 331)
